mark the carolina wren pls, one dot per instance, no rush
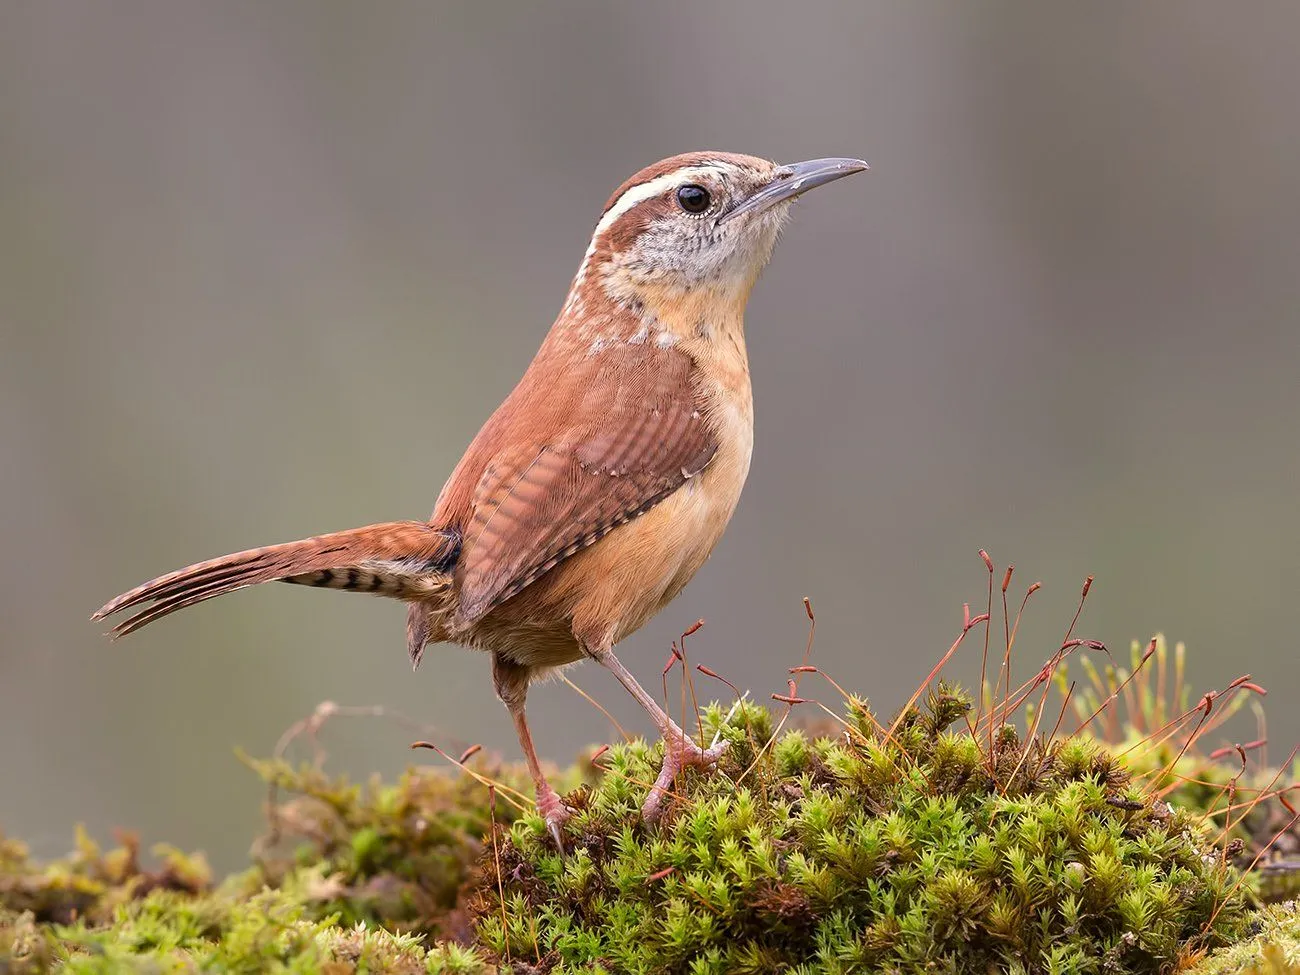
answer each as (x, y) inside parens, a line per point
(602, 483)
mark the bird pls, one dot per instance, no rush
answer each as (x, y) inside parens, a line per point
(602, 482)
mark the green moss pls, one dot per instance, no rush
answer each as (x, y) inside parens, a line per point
(341, 868)
(390, 855)
(925, 851)
(90, 884)
(1145, 713)
(269, 932)
(846, 849)
(1273, 950)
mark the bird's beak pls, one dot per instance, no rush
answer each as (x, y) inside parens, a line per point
(791, 181)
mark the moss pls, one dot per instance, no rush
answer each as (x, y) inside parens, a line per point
(1156, 724)
(391, 855)
(90, 884)
(342, 869)
(270, 932)
(1273, 950)
(923, 851)
(932, 848)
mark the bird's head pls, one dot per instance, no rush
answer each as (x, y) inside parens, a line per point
(703, 220)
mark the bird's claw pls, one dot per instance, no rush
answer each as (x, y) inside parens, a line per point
(555, 812)
(554, 827)
(677, 756)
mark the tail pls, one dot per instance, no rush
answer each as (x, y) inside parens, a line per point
(408, 560)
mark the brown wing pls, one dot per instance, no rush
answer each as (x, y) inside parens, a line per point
(629, 440)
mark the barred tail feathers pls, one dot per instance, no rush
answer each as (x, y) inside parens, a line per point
(407, 560)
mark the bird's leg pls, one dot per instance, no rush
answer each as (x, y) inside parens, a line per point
(511, 682)
(679, 750)
(548, 800)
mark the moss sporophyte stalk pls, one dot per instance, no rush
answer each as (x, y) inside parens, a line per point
(952, 838)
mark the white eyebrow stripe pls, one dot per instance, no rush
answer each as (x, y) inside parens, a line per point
(630, 198)
(646, 191)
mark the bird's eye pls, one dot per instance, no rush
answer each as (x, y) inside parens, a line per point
(693, 199)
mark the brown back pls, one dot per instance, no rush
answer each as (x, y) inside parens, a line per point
(598, 430)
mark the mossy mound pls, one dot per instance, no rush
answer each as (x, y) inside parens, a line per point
(90, 884)
(1144, 711)
(1260, 834)
(348, 879)
(928, 850)
(924, 851)
(271, 932)
(393, 855)
(1273, 950)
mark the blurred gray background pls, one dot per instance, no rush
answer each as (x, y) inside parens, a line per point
(265, 268)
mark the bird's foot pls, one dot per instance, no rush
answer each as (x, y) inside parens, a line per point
(679, 754)
(555, 812)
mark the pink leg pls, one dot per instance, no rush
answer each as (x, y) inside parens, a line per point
(548, 800)
(511, 682)
(679, 750)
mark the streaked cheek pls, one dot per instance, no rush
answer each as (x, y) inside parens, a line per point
(667, 252)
